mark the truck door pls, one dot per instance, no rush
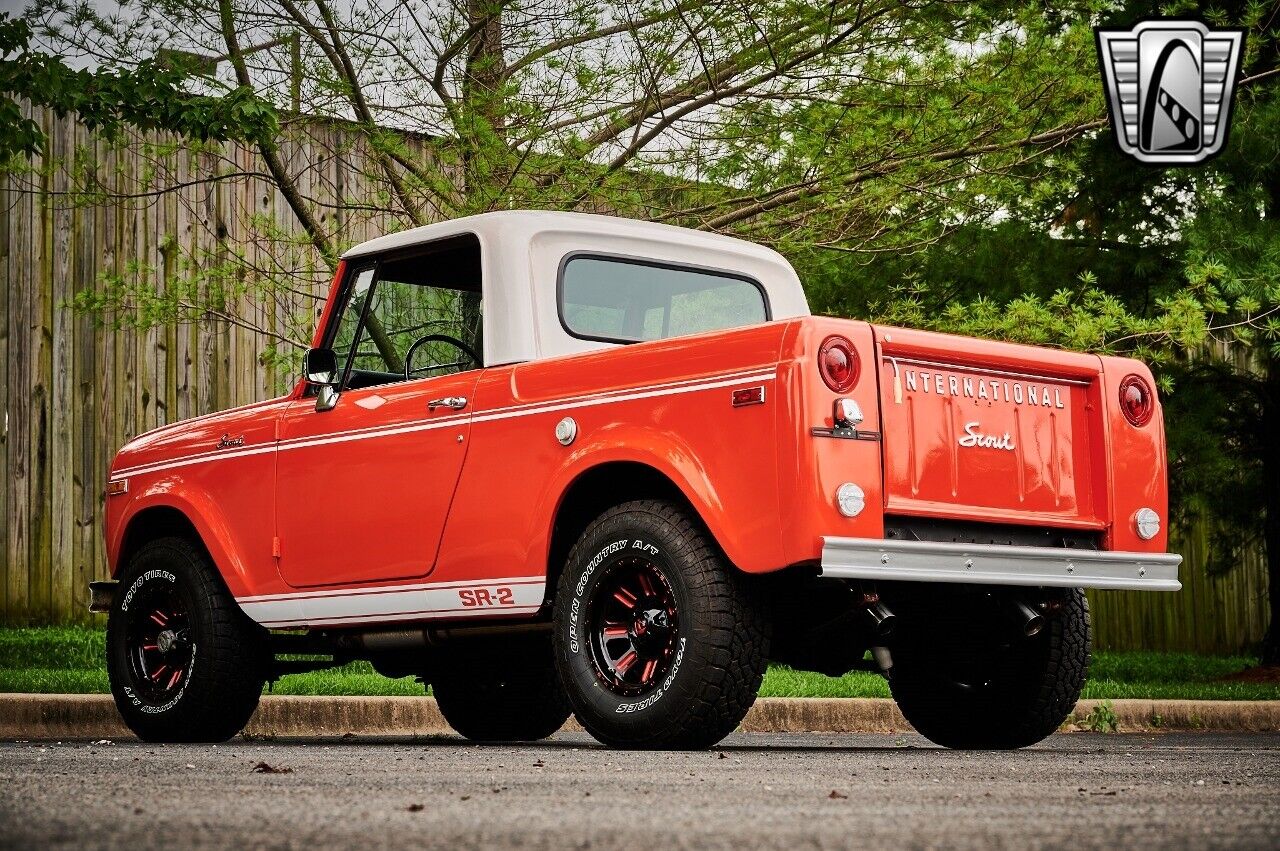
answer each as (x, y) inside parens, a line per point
(363, 488)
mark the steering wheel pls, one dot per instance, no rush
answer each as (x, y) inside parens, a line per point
(437, 338)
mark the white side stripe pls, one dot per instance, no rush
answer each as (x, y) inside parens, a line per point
(522, 595)
(372, 432)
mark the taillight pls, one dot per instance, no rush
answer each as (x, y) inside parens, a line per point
(1136, 400)
(838, 363)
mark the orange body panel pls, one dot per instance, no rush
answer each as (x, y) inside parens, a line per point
(664, 404)
(379, 469)
(382, 495)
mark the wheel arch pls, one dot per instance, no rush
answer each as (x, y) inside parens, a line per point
(154, 517)
(157, 521)
(598, 488)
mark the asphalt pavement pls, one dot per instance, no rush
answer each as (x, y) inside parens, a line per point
(755, 790)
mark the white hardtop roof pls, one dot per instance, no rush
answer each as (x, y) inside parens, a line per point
(521, 252)
(514, 224)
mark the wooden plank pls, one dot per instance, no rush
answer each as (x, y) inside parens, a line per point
(150, 342)
(9, 199)
(20, 287)
(61, 378)
(107, 380)
(128, 399)
(184, 248)
(169, 248)
(85, 409)
(40, 370)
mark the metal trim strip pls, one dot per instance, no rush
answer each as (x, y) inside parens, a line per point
(994, 564)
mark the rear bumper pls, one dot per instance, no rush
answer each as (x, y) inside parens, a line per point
(988, 564)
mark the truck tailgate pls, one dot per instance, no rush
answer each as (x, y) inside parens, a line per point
(987, 431)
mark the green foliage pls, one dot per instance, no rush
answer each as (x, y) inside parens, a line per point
(1101, 719)
(148, 96)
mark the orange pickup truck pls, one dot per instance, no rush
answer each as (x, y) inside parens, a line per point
(552, 463)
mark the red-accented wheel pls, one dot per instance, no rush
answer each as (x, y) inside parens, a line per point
(185, 663)
(159, 642)
(659, 641)
(635, 627)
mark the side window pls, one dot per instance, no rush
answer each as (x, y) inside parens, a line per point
(413, 316)
(628, 301)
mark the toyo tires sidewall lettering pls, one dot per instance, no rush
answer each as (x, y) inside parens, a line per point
(576, 638)
(118, 647)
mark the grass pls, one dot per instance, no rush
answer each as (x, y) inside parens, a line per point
(69, 660)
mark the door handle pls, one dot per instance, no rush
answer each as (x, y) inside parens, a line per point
(455, 402)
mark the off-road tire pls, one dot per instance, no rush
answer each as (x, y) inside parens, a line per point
(721, 639)
(219, 687)
(1033, 687)
(500, 690)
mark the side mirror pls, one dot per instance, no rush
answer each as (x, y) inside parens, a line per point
(320, 367)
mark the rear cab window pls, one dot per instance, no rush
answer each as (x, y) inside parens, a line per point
(625, 300)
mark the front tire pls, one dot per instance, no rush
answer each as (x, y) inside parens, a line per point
(659, 641)
(185, 663)
(500, 690)
(966, 682)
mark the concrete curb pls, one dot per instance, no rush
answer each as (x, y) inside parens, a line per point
(93, 716)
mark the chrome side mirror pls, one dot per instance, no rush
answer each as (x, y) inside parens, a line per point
(320, 368)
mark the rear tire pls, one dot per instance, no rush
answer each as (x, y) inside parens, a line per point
(967, 684)
(659, 641)
(185, 663)
(500, 690)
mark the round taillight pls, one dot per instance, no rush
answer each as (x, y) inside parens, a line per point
(838, 363)
(1136, 400)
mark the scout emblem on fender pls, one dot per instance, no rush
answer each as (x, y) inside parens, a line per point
(1169, 86)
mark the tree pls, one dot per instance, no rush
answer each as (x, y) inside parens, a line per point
(844, 124)
(148, 96)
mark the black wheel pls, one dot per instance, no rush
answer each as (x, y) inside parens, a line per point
(972, 682)
(500, 690)
(660, 643)
(185, 664)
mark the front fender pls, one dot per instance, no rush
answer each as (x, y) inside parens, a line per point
(209, 519)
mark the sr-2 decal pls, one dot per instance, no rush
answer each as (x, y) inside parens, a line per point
(396, 602)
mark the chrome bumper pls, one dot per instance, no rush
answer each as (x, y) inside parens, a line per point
(995, 564)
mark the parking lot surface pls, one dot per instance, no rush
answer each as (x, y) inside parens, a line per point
(793, 791)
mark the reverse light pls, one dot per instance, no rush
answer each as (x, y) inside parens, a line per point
(1147, 523)
(846, 413)
(850, 499)
(838, 363)
(1137, 401)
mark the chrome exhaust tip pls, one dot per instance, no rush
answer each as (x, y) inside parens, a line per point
(881, 618)
(1028, 621)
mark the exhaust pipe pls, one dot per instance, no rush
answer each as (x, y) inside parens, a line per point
(882, 620)
(388, 640)
(1028, 621)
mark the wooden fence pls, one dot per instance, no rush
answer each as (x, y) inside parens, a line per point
(74, 391)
